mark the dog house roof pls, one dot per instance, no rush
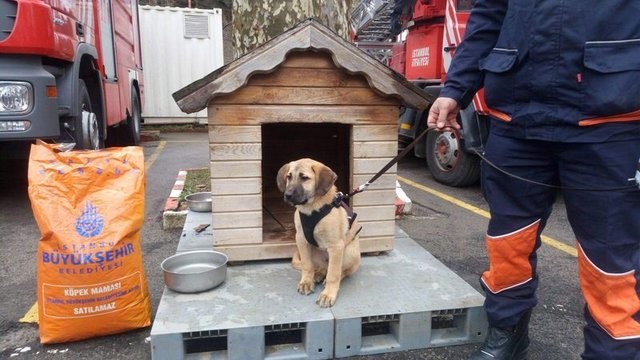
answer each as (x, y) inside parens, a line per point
(309, 34)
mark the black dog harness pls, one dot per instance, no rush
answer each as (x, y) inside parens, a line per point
(310, 221)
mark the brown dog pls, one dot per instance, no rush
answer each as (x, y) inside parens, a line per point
(328, 249)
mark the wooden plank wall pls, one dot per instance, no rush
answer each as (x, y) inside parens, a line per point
(306, 88)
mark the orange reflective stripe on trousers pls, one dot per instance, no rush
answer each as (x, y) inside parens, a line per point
(509, 254)
(612, 298)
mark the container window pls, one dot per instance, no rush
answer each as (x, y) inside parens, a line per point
(196, 26)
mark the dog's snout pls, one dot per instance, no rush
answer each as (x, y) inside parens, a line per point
(288, 197)
(295, 196)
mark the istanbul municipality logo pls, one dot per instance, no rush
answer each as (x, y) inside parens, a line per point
(90, 223)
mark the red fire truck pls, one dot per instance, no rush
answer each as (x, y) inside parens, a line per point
(70, 71)
(417, 38)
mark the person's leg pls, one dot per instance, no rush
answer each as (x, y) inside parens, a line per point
(519, 210)
(607, 228)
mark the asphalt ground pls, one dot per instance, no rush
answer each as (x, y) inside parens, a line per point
(448, 222)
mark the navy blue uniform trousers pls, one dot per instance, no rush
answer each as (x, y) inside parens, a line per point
(603, 208)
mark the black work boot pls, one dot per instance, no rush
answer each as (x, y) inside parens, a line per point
(505, 344)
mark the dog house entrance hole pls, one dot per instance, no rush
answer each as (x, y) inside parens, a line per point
(329, 143)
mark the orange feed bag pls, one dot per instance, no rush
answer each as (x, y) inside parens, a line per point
(89, 206)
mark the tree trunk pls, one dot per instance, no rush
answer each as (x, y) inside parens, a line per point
(256, 22)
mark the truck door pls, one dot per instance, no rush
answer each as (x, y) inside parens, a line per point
(107, 41)
(456, 18)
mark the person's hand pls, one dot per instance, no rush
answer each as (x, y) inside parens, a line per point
(444, 114)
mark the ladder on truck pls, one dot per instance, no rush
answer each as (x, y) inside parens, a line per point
(371, 26)
(371, 20)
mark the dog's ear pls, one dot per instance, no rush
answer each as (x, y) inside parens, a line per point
(281, 179)
(325, 179)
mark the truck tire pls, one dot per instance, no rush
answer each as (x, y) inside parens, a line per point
(134, 120)
(86, 123)
(127, 132)
(448, 162)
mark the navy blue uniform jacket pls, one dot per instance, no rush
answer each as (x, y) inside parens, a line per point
(553, 70)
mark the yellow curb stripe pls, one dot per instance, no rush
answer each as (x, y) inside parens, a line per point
(444, 196)
(545, 239)
(154, 156)
(32, 314)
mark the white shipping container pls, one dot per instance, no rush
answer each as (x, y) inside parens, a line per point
(179, 46)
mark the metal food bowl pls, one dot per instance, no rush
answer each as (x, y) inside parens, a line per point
(195, 271)
(200, 201)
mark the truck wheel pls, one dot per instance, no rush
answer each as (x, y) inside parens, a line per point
(86, 124)
(134, 120)
(448, 162)
(127, 132)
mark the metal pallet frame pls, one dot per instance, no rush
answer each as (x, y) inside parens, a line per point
(402, 300)
(249, 343)
(399, 332)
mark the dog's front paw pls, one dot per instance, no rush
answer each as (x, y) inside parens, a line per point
(306, 287)
(326, 299)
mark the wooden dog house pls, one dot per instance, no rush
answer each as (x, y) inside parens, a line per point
(306, 93)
